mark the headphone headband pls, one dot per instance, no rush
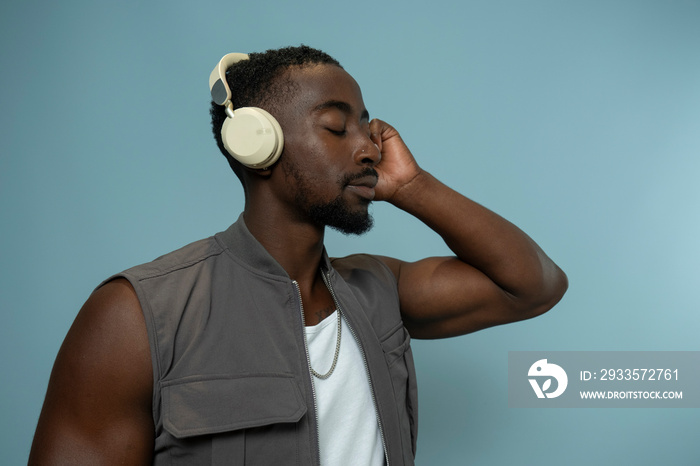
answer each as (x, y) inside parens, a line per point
(220, 92)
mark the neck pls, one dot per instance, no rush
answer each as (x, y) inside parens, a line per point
(297, 246)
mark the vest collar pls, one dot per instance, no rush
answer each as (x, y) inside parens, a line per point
(244, 247)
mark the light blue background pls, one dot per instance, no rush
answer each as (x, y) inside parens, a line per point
(578, 121)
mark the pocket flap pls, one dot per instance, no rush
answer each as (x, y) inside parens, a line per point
(198, 406)
(396, 344)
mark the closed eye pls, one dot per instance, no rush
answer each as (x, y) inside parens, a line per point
(340, 132)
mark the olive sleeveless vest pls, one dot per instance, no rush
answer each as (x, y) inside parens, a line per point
(231, 377)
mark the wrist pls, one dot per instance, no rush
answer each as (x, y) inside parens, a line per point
(413, 191)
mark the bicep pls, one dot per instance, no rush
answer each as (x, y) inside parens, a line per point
(443, 297)
(98, 403)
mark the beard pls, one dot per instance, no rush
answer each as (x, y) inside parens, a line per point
(336, 213)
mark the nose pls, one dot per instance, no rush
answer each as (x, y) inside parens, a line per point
(368, 154)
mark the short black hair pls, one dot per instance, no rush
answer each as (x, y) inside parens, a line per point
(256, 83)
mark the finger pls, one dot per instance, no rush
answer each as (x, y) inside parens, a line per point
(375, 132)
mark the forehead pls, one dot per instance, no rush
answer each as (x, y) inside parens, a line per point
(318, 84)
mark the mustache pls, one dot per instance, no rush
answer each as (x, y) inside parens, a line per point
(368, 171)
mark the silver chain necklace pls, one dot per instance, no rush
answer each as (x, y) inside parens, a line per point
(337, 342)
(335, 356)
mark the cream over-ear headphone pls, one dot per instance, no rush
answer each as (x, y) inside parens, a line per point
(250, 134)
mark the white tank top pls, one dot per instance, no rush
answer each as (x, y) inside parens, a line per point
(347, 420)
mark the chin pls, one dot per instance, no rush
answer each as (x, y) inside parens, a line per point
(338, 215)
(355, 228)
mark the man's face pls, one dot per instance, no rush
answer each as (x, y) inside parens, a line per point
(327, 167)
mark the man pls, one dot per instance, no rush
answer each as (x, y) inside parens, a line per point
(253, 347)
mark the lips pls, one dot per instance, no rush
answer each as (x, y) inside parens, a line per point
(363, 186)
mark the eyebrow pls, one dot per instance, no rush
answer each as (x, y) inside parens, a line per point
(342, 106)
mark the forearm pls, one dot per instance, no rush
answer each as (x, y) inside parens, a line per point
(484, 240)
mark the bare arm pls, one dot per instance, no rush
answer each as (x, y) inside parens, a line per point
(499, 274)
(98, 404)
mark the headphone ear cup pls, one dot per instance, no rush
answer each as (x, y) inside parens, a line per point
(253, 137)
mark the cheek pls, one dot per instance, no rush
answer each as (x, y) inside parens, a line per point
(313, 159)
(315, 156)
(303, 149)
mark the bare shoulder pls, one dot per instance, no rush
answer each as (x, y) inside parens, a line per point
(98, 403)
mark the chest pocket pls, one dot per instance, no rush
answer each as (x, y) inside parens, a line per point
(251, 419)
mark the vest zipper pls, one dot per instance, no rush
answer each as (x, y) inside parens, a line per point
(308, 363)
(327, 281)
